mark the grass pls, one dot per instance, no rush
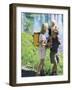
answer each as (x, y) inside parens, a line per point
(30, 56)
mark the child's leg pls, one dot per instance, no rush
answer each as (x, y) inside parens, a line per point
(54, 68)
(40, 67)
(54, 62)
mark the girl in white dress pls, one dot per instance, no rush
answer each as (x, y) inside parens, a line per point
(42, 47)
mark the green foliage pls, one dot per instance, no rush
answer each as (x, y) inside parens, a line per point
(29, 53)
(30, 56)
(27, 22)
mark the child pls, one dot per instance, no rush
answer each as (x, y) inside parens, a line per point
(54, 40)
(42, 49)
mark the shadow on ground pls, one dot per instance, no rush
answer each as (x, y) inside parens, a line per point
(27, 73)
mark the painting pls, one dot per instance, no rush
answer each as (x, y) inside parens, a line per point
(39, 44)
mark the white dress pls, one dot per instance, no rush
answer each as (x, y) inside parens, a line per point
(42, 50)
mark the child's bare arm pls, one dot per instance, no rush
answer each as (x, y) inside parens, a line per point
(43, 43)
